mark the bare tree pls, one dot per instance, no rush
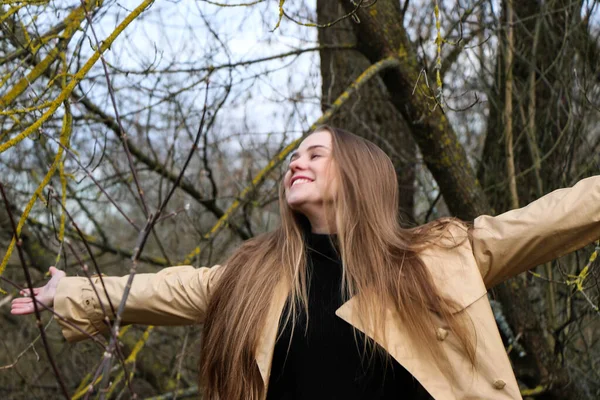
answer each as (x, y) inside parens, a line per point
(136, 136)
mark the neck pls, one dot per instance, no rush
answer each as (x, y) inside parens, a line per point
(320, 225)
(322, 230)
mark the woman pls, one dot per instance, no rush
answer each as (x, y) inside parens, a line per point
(339, 301)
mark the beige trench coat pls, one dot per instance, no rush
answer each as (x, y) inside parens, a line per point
(501, 247)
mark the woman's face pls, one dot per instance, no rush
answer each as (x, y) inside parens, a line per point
(309, 181)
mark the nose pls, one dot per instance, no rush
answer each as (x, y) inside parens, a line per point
(299, 163)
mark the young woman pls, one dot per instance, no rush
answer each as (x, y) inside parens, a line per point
(340, 302)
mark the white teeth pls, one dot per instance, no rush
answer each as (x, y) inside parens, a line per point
(302, 180)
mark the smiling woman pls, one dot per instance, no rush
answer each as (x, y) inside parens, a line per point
(340, 302)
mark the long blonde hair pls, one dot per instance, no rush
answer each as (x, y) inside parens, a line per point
(380, 261)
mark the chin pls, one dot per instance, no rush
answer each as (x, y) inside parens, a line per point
(296, 204)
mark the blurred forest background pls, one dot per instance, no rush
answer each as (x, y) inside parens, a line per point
(483, 106)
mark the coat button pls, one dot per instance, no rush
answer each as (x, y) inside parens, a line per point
(441, 334)
(499, 384)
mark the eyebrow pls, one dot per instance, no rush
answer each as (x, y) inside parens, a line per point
(309, 148)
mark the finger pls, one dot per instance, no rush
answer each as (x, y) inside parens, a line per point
(22, 310)
(21, 305)
(22, 300)
(15, 306)
(27, 292)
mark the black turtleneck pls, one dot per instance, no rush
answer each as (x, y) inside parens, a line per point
(325, 359)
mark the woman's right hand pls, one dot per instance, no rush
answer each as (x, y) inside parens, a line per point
(44, 295)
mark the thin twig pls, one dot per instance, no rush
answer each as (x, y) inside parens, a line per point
(89, 174)
(352, 14)
(111, 93)
(89, 250)
(180, 364)
(21, 354)
(38, 317)
(244, 63)
(192, 391)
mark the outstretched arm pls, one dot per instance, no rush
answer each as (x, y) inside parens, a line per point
(554, 225)
(173, 296)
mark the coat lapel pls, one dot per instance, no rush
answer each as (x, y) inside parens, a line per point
(268, 337)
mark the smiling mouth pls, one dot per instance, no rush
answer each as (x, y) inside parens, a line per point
(300, 181)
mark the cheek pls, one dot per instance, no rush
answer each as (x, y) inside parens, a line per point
(286, 180)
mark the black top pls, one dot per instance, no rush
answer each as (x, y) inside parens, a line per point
(326, 361)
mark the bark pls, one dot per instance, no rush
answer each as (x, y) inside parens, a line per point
(369, 113)
(508, 107)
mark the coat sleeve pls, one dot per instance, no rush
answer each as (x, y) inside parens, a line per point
(173, 296)
(518, 240)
